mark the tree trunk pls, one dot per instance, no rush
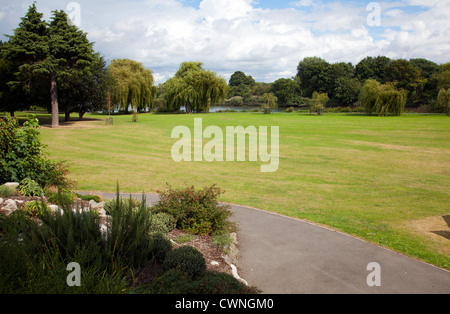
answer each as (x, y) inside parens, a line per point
(54, 101)
(12, 114)
(81, 114)
(188, 107)
(66, 116)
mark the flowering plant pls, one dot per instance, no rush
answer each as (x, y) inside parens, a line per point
(196, 211)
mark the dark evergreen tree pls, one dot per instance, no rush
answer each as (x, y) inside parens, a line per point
(57, 53)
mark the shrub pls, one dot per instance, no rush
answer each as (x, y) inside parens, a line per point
(29, 187)
(6, 191)
(36, 208)
(161, 246)
(162, 222)
(175, 282)
(60, 198)
(22, 156)
(186, 259)
(196, 211)
(129, 231)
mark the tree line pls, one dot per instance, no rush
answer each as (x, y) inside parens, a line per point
(53, 65)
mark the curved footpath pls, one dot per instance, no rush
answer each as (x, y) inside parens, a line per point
(282, 255)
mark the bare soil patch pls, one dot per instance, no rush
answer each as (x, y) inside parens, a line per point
(210, 251)
(435, 228)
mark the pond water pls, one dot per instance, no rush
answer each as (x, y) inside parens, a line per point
(224, 108)
(219, 108)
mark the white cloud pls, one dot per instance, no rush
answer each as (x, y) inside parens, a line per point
(232, 35)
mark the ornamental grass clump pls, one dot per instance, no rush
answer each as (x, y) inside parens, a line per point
(196, 211)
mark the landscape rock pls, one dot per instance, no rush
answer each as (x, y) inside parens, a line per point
(12, 185)
(54, 208)
(1, 201)
(6, 212)
(9, 205)
(95, 205)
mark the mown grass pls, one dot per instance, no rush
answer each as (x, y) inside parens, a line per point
(367, 176)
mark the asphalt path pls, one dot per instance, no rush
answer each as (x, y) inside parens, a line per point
(282, 255)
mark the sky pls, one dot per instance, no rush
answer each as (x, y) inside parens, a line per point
(262, 38)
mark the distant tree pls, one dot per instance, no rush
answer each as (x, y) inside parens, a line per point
(194, 88)
(287, 91)
(313, 75)
(346, 90)
(444, 100)
(318, 102)
(443, 78)
(131, 84)
(427, 68)
(372, 68)
(240, 85)
(260, 88)
(239, 78)
(382, 99)
(270, 102)
(404, 75)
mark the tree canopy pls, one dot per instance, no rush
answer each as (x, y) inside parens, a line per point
(194, 88)
(382, 99)
(131, 84)
(55, 51)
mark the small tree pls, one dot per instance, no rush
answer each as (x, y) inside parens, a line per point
(444, 100)
(318, 102)
(270, 102)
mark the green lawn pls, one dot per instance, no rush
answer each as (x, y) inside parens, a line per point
(384, 179)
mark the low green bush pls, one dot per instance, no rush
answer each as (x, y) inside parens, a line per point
(196, 211)
(22, 156)
(61, 198)
(6, 191)
(162, 222)
(176, 282)
(161, 246)
(186, 259)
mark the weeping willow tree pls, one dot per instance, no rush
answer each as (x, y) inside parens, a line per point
(270, 102)
(194, 88)
(132, 84)
(382, 99)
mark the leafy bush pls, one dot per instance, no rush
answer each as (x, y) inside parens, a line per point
(186, 259)
(61, 198)
(21, 156)
(196, 211)
(161, 246)
(29, 187)
(162, 222)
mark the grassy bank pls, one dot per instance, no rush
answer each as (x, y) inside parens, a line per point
(384, 179)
